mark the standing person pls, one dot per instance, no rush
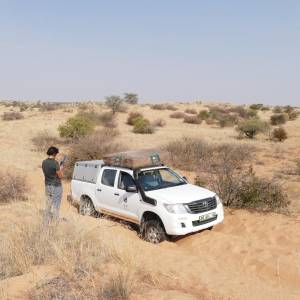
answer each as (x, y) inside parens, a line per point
(53, 173)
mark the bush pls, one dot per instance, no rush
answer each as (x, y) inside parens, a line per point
(223, 167)
(143, 126)
(131, 98)
(265, 108)
(227, 120)
(93, 146)
(177, 115)
(250, 128)
(243, 112)
(132, 117)
(171, 107)
(288, 109)
(192, 120)
(45, 107)
(76, 127)
(159, 123)
(43, 140)
(278, 119)
(277, 110)
(163, 107)
(10, 116)
(204, 114)
(115, 103)
(191, 111)
(14, 187)
(258, 193)
(257, 106)
(279, 134)
(293, 115)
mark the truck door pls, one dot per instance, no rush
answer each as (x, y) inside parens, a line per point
(129, 202)
(107, 195)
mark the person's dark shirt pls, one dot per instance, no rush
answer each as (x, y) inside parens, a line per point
(50, 167)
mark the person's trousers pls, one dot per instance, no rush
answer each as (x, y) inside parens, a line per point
(53, 201)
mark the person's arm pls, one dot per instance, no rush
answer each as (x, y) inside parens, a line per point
(59, 171)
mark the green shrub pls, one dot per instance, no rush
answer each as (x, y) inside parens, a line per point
(257, 106)
(10, 116)
(250, 128)
(132, 117)
(279, 134)
(177, 115)
(278, 119)
(265, 108)
(227, 120)
(107, 119)
(204, 114)
(76, 127)
(191, 111)
(258, 193)
(192, 120)
(143, 126)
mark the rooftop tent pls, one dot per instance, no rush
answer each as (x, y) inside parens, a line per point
(134, 159)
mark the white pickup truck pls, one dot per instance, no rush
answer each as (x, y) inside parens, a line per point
(160, 201)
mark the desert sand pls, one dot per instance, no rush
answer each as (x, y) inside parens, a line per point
(251, 255)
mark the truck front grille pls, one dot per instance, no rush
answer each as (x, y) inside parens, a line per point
(202, 205)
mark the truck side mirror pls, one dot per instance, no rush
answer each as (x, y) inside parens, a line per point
(131, 189)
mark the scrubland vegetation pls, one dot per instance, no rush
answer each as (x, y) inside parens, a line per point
(238, 164)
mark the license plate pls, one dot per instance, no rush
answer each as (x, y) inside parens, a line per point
(207, 216)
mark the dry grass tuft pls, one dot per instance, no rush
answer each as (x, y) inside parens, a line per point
(178, 115)
(44, 139)
(14, 187)
(10, 116)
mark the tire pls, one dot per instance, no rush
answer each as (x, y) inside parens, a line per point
(86, 207)
(154, 232)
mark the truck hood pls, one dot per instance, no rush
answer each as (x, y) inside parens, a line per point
(180, 194)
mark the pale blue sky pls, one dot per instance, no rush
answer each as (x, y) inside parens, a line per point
(168, 50)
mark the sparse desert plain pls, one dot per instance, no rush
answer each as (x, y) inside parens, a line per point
(253, 254)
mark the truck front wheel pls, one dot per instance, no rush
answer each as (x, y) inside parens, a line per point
(86, 207)
(154, 232)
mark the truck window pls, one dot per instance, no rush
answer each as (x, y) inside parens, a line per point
(125, 180)
(108, 177)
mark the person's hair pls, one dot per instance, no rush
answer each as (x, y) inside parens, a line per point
(52, 151)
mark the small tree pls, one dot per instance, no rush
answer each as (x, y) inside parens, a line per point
(131, 98)
(115, 103)
(250, 128)
(279, 134)
(76, 127)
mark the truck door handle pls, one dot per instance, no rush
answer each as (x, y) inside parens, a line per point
(99, 190)
(116, 194)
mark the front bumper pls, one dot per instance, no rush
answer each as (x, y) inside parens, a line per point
(181, 224)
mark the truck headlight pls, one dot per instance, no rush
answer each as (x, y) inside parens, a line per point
(175, 208)
(219, 201)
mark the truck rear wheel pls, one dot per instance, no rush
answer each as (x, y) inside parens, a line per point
(154, 232)
(86, 207)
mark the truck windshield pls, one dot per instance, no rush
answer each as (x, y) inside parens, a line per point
(159, 179)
